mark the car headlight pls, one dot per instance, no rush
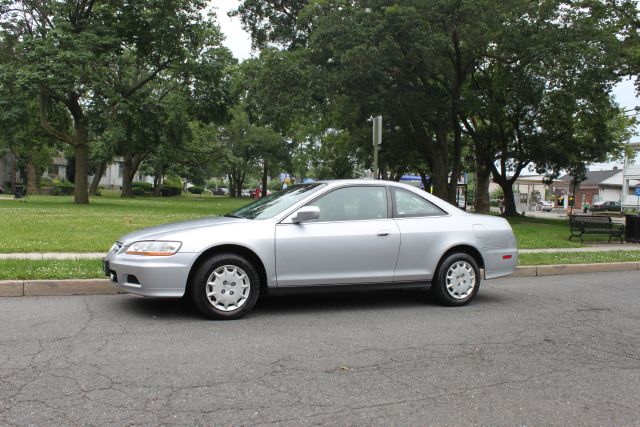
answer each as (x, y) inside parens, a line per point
(154, 248)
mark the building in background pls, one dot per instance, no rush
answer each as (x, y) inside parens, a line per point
(631, 178)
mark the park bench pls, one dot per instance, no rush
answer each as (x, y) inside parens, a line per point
(590, 224)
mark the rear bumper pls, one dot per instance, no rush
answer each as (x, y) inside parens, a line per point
(150, 276)
(500, 262)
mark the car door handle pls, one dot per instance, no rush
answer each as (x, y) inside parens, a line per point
(383, 234)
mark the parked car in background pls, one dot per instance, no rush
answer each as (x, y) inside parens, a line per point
(221, 191)
(545, 206)
(606, 206)
(325, 234)
(245, 193)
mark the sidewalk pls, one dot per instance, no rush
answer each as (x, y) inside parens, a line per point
(601, 247)
(54, 255)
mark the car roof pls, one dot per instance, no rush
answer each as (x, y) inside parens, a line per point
(336, 182)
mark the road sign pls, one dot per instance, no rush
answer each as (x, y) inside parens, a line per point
(637, 190)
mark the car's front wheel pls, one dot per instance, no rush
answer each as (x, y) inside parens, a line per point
(225, 286)
(457, 280)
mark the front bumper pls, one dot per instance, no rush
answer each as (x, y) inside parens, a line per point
(150, 276)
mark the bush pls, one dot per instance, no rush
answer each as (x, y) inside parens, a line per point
(172, 186)
(61, 188)
(170, 191)
(141, 188)
(145, 186)
(195, 190)
(45, 181)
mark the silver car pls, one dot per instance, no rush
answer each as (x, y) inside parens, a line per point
(327, 234)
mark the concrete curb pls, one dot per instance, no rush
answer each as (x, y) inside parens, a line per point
(560, 269)
(19, 288)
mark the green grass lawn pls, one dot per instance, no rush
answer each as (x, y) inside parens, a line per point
(539, 233)
(22, 269)
(578, 257)
(55, 224)
(91, 269)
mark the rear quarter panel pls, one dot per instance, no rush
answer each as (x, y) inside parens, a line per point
(424, 241)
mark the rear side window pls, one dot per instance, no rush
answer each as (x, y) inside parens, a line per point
(408, 204)
(353, 204)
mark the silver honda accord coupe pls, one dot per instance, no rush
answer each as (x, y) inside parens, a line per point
(328, 234)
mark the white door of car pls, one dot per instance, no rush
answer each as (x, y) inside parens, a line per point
(353, 241)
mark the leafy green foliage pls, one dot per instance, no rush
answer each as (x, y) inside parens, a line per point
(92, 58)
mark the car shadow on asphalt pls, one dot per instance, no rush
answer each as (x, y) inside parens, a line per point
(183, 308)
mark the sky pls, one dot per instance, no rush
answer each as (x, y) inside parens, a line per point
(239, 42)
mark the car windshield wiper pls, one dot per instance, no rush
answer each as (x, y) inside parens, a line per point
(230, 215)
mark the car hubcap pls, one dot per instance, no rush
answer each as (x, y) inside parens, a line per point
(228, 288)
(461, 279)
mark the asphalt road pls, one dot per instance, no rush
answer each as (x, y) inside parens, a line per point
(551, 350)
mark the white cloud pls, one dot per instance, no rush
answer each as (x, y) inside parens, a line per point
(236, 39)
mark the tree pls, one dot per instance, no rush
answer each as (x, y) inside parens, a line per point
(540, 99)
(273, 22)
(77, 54)
(20, 131)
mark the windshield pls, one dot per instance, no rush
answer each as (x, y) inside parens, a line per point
(269, 206)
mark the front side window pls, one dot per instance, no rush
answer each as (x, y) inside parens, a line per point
(353, 204)
(270, 206)
(409, 205)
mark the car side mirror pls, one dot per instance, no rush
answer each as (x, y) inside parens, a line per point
(306, 213)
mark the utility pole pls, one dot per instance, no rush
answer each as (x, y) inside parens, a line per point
(377, 141)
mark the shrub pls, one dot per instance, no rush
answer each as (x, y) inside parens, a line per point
(195, 189)
(170, 191)
(145, 186)
(141, 188)
(172, 186)
(61, 188)
(46, 181)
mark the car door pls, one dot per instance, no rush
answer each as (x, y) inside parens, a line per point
(353, 241)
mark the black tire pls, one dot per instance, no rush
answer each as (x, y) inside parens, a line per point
(210, 307)
(439, 286)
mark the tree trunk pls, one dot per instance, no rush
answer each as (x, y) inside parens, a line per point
(481, 197)
(81, 152)
(439, 179)
(32, 186)
(456, 167)
(425, 181)
(130, 166)
(127, 176)
(264, 178)
(100, 170)
(157, 181)
(509, 199)
(14, 171)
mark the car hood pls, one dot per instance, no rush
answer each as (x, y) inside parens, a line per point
(152, 233)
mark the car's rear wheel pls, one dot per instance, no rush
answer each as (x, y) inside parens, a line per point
(457, 280)
(225, 286)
